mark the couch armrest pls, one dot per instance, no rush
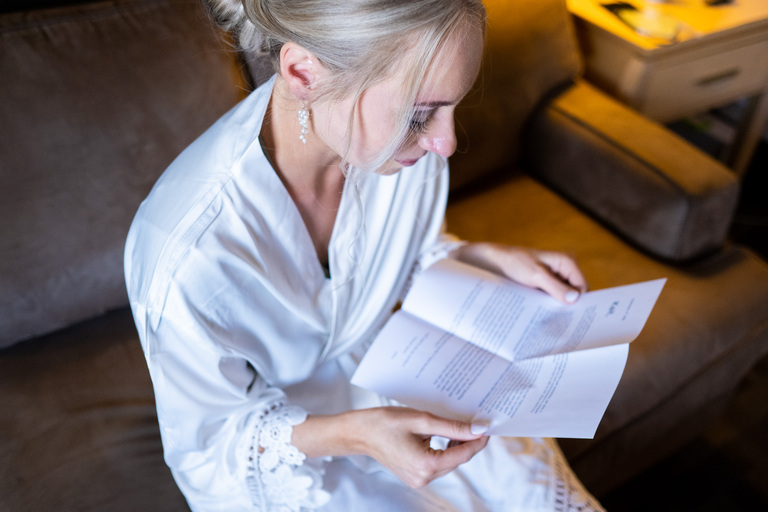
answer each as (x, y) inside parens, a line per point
(650, 186)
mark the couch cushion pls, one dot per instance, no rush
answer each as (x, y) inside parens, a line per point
(530, 49)
(97, 101)
(707, 329)
(78, 427)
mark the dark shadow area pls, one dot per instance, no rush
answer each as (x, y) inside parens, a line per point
(726, 468)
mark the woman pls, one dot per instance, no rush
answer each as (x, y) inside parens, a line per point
(274, 248)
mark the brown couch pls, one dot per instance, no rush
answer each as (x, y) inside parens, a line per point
(98, 98)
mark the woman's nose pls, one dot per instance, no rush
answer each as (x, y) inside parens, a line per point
(440, 137)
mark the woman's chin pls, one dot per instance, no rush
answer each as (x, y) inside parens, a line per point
(389, 168)
(395, 165)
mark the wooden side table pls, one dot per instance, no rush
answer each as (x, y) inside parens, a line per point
(720, 56)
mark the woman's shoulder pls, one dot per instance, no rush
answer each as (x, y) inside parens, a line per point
(225, 143)
(207, 166)
(190, 199)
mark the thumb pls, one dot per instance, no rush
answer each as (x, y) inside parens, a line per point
(454, 429)
(563, 280)
(559, 290)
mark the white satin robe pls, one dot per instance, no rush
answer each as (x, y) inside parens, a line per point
(243, 333)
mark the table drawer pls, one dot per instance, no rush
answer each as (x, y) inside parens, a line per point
(681, 87)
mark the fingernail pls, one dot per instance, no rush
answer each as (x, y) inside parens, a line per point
(571, 296)
(478, 429)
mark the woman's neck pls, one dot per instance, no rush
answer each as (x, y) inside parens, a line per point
(307, 163)
(310, 172)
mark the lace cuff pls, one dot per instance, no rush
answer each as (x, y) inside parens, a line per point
(278, 479)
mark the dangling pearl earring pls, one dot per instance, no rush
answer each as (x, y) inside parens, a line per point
(304, 123)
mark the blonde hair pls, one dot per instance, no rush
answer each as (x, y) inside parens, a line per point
(359, 41)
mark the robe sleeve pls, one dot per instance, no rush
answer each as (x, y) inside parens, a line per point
(444, 244)
(226, 432)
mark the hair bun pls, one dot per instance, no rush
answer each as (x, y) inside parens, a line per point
(231, 16)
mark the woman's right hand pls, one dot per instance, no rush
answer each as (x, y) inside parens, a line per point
(397, 437)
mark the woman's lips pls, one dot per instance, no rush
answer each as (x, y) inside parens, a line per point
(407, 163)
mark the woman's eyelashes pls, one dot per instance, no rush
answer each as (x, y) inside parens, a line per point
(420, 120)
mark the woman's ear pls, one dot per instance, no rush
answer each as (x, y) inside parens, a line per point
(300, 70)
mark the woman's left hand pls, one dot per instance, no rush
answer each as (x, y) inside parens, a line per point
(553, 272)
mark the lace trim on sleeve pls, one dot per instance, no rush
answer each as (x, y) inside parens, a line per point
(277, 477)
(569, 493)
